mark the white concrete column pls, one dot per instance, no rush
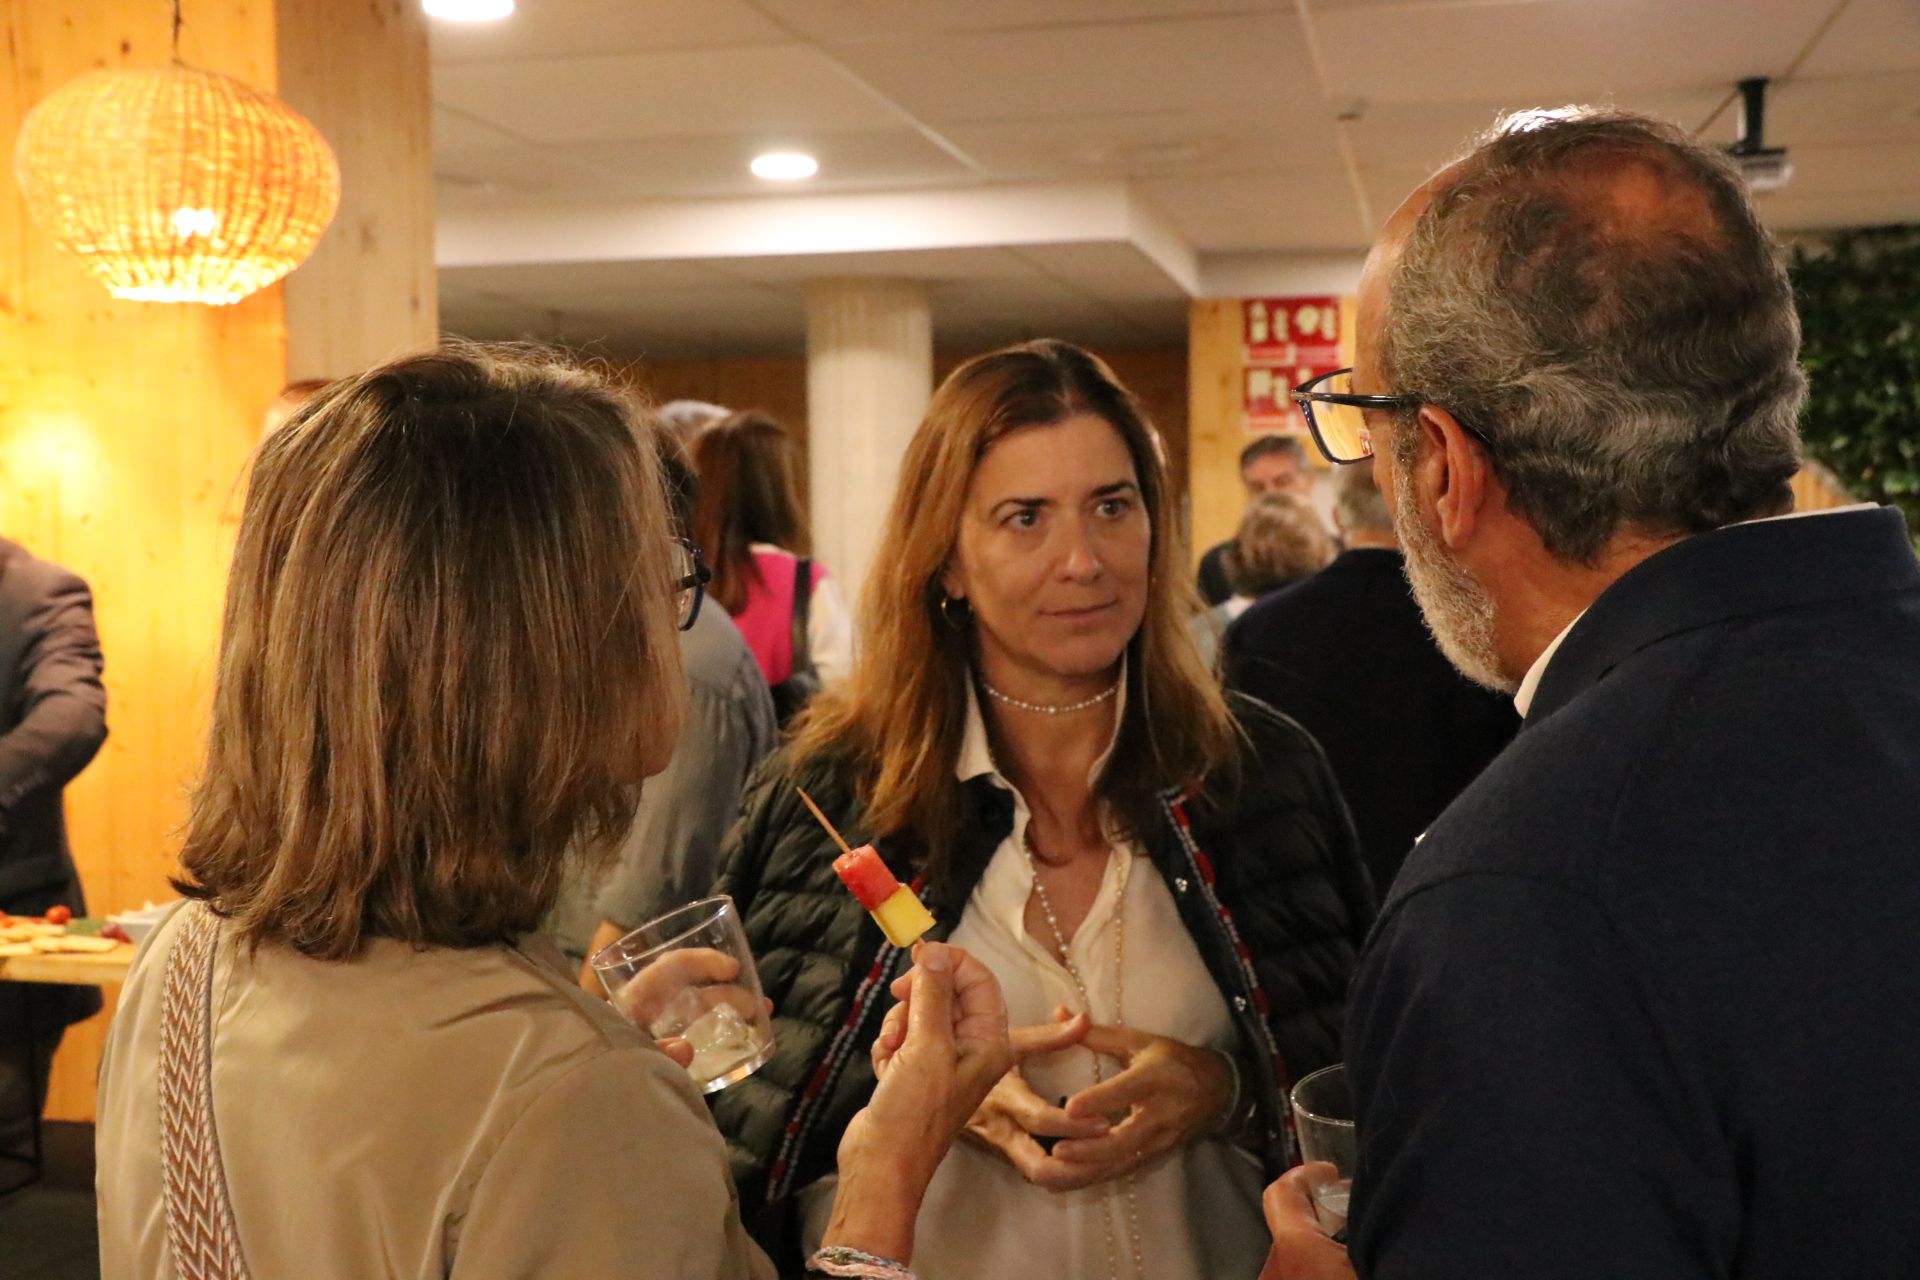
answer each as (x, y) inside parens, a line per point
(869, 377)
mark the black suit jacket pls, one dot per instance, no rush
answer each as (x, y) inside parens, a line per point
(1347, 655)
(53, 712)
(1646, 1000)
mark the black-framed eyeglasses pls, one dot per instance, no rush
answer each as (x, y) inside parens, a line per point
(690, 579)
(1337, 417)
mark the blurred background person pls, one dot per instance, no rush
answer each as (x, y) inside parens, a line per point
(684, 420)
(1280, 542)
(1347, 654)
(748, 524)
(671, 856)
(52, 723)
(394, 1073)
(1030, 736)
(1269, 464)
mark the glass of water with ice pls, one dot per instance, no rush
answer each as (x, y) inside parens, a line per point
(689, 976)
(1323, 1120)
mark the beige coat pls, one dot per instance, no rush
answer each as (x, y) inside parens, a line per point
(422, 1114)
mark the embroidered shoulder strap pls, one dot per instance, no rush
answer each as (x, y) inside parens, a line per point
(200, 1228)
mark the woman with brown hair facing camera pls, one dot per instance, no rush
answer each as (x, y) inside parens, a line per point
(1030, 736)
(447, 664)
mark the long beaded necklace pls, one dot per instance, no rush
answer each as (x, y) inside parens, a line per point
(1086, 1001)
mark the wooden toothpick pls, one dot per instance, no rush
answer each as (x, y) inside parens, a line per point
(815, 810)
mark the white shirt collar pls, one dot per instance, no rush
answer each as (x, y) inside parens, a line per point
(1530, 684)
(976, 752)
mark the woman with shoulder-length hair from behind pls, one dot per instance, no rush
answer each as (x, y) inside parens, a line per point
(447, 663)
(1280, 541)
(1031, 736)
(749, 524)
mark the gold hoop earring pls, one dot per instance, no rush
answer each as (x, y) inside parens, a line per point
(955, 620)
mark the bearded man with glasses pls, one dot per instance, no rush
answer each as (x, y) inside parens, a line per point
(1642, 1002)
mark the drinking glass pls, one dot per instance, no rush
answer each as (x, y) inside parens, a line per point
(688, 975)
(1323, 1121)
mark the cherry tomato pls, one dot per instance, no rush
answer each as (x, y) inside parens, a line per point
(59, 914)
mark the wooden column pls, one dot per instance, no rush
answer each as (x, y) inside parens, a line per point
(869, 376)
(125, 428)
(369, 293)
(1215, 424)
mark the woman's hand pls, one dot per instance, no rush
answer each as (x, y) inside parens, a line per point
(665, 982)
(1166, 1093)
(691, 980)
(938, 1054)
(1013, 1116)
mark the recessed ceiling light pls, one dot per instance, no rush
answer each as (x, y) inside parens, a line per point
(468, 10)
(784, 166)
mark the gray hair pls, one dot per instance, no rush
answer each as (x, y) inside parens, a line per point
(1594, 291)
(1358, 500)
(1280, 540)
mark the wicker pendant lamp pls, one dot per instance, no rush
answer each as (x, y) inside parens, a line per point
(177, 185)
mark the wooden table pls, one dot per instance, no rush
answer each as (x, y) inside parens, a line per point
(97, 969)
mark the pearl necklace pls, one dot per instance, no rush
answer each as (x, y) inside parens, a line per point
(1059, 710)
(1119, 1020)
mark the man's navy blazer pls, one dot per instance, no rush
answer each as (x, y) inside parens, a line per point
(1347, 654)
(1646, 1000)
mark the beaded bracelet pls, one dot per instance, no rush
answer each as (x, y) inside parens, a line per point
(838, 1260)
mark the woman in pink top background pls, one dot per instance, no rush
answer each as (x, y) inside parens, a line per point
(750, 528)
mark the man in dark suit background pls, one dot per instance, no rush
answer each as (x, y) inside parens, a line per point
(1645, 1001)
(52, 721)
(1347, 655)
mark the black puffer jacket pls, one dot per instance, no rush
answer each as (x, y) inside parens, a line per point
(1265, 872)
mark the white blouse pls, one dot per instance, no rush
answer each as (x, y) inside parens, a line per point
(1198, 1207)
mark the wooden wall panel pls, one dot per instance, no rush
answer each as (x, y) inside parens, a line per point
(123, 429)
(1215, 434)
(369, 293)
(1158, 376)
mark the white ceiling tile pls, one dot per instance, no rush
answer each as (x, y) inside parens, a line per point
(1207, 107)
(856, 20)
(1558, 51)
(514, 173)
(1841, 110)
(1126, 144)
(1388, 186)
(1307, 209)
(455, 132)
(1870, 36)
(693, 93)
(697, 167)
(1246, 64)
(1117, 273)
(578, 28)
(1881, 168)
